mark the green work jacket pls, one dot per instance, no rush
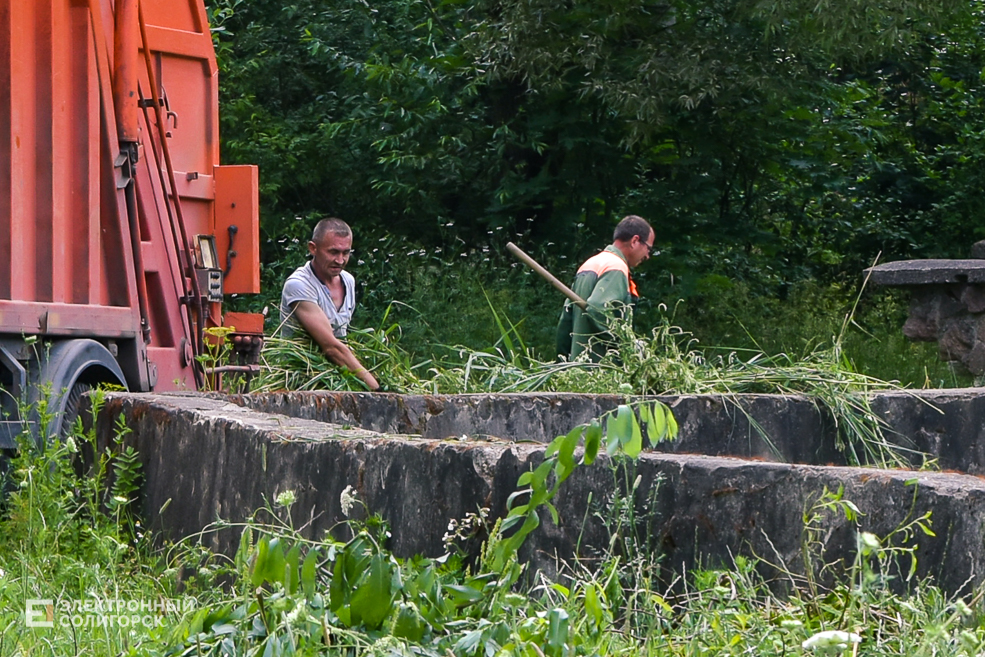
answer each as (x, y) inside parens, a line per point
(604, 283)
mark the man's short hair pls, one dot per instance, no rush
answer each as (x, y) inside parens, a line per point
(330, 225)
(631, 225)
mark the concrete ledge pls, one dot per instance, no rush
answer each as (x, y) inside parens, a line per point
(948, 425)
(205, 458)
(927, 272)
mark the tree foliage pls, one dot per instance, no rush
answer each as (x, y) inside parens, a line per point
(768, 141)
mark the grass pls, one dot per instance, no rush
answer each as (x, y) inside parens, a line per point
(67, 538)
(286, 592)
(443, 298)
(666, 361)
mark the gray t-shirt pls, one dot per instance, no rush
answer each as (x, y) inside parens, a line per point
(303, 285)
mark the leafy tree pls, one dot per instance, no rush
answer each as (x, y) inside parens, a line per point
(767, 140)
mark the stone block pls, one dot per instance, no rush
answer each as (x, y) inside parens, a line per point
(927, 272)
(973, 298)
(975, 360)
(955, 343)
(205, 459)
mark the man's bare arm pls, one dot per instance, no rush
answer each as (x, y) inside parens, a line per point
(314, 321)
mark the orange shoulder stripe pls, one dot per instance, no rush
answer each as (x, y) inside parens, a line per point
(603, 262)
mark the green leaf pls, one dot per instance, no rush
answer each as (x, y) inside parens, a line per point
(540, 474)
(372, 601)
(593, 606)
(260, 563)
(621, 424)
(557, 633)
(671, 423)
(274, 569)
(356, 556)
(593, 437)
(272, 647)
(645, 412)
(308, 574)
(566, 451)
(291, 572)
(635, 444)
(611, 443)
(337, 587)
(245, 547)
(553, 511)
(409, 624)
(512, 498)
(463, 595)
(656, 426)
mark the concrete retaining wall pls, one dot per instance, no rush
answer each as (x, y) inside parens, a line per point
(948, 425)
(207, 458)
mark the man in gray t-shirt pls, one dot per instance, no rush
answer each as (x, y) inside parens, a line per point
(320, 297)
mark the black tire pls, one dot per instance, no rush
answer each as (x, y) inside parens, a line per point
(75, 403)
(69, 370)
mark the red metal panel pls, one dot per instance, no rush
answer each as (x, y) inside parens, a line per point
(6, 228)
(44, 190)
(49, 152)
(179, 42)
(244, 322)
(23, 152)
(237, 204)
(68, 319)
(73, 127)
(176, 14)
(67, 262)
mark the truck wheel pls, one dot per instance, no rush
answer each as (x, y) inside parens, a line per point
(68, 370)
(74, 405)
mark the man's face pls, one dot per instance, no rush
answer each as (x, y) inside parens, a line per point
(639, 250)
(330, 255)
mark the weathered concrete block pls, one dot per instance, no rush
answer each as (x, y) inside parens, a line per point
(205, 459)
(947, 304)
(927, 272)
(784, 428)
(710, 424)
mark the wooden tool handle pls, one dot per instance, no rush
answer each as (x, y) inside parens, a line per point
(533, 264)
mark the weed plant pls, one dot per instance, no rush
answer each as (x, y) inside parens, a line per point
(69, 531)
(287, 593)
(667, 361)
(441, 297)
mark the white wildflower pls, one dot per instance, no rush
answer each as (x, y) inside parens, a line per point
(286, 498)
(831, 641)
(348, 500)
(297, 616)
(870, 540)
(70, 444)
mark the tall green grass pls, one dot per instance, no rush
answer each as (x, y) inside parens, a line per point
(441, 297)
(667, 360)
(288, 593)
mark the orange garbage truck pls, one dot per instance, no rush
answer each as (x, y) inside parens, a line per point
(120, 232)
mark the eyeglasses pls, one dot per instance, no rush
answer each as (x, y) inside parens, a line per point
(650, 252)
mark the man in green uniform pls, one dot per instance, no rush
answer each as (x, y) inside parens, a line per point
(604, 283)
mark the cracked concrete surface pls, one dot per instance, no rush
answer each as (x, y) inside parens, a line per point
(207, 458)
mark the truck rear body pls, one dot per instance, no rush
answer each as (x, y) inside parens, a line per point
(117, 223)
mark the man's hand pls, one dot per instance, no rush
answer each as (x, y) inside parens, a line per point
(313, 320)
